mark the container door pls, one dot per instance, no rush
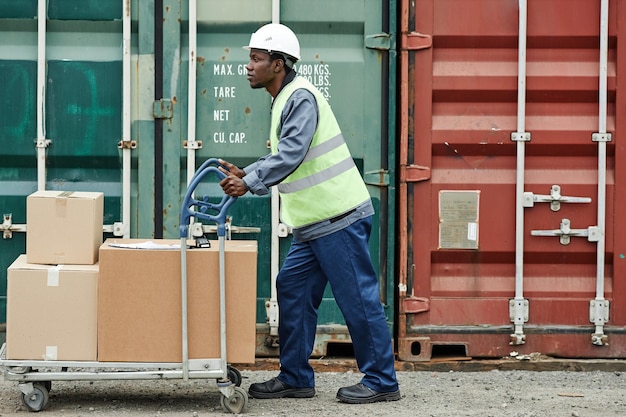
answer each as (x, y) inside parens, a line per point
(511, 183)
(60, 118)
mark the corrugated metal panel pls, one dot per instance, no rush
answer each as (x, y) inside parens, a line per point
(18, 9)
(460, 108)
(84, 9)
(17, 132)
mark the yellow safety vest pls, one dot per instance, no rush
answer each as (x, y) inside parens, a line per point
(327, 183)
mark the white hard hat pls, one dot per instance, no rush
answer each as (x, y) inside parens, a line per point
(275, 37)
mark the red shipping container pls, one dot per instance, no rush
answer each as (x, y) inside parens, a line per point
(510, 182)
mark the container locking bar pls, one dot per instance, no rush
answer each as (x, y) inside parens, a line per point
(199, 229)
(555, 198)
(600, 315)
(592, 233)
(518, 307)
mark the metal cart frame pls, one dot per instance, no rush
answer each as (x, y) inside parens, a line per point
(35, 386)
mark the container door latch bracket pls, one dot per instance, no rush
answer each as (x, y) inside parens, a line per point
(565, 232)
(599, 316)
(555, 198)
(8, 227)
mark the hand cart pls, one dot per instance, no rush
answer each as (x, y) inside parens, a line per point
(35, 386)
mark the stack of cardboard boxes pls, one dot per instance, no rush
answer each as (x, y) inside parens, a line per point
(72, 297)
(52, 290)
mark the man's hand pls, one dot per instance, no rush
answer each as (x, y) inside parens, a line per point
(232, 185)
(230, 169)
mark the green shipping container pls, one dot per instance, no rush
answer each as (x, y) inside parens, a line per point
(134, 143)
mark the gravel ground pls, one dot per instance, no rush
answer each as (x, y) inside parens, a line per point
(451, 393)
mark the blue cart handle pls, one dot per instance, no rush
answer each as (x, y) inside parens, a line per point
(203, 209)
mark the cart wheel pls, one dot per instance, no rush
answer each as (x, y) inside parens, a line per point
(236, 402)
(36, 400)
(234, 376)
(47, 384)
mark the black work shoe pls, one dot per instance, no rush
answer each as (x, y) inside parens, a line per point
(360, 394)
(275, 388)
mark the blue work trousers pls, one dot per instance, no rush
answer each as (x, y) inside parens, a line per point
(341, 258)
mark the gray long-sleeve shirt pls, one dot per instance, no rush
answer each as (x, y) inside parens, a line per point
(298, 122)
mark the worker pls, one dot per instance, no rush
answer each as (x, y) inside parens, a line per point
(325, 202)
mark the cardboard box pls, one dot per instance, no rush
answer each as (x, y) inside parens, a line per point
(140, 302)
(51, 311)
(64, 227)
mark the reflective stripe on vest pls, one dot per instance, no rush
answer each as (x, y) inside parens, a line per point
(317, 178)
(327, 183)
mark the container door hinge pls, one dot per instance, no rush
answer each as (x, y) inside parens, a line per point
(555, 199)
(416, 41)
(414, 173)
(378, 41)
(592, 233)
(163, 109)
(415, 305)
(378, 178)
(599, 316)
